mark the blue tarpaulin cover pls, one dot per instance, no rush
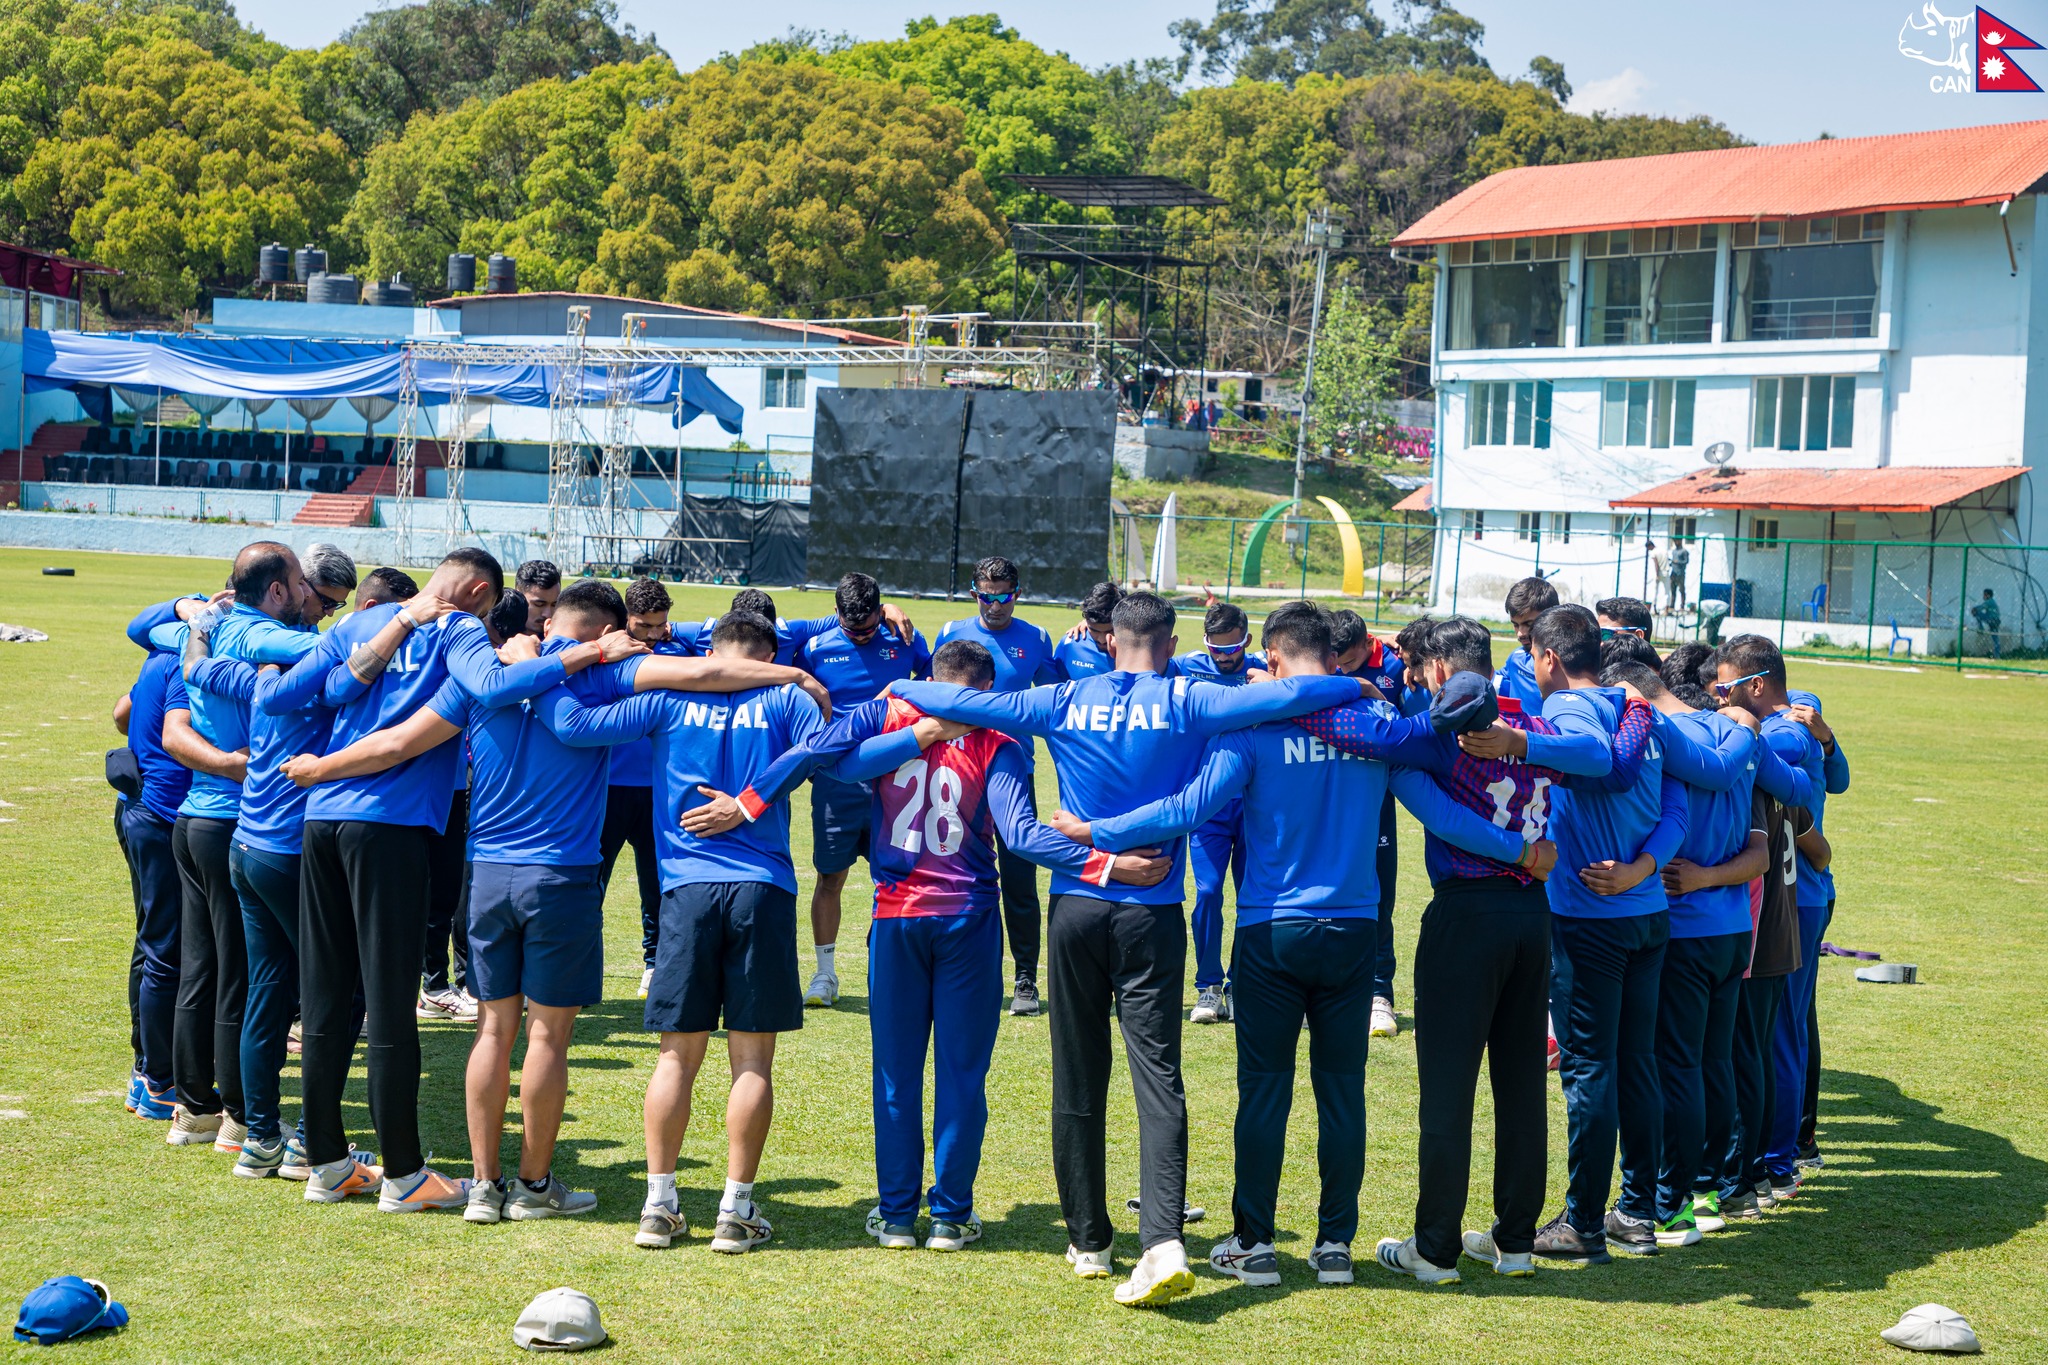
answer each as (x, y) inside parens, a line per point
(278, 367)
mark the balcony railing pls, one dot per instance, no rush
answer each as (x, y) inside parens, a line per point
(1847, 315)
(1097, 239)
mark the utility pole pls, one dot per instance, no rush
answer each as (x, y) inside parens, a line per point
(1325, 238)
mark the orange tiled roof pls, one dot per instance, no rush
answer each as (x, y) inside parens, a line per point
(1893, 489)
(1417, 501)
(1944, 169)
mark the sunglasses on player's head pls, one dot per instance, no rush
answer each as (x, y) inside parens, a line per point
(996, 599)
(1215, 648)
(1609, 632)
(1722, 689)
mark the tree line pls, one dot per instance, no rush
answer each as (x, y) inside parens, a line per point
(811, 174)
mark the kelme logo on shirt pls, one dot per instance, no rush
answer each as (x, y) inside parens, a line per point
(745, 716)
(1106, 719)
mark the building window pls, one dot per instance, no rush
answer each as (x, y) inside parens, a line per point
(1507, 294)
(1805, 279)
(1626, 524)
(1509, 414)
(782, 388)
(1763, 533)
(1646, 412)
(1685, 530)
(1650, 286)
(1528, 525)
(1561, 527)
(1811, 412)
(1475, 524)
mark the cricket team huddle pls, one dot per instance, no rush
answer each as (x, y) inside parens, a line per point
(415, 814)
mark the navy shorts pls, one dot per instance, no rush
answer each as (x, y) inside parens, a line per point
(536, 932)
(726, 949)
(839, 823)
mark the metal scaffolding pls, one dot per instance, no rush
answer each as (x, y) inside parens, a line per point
(408, 447)
(565, 454)
(455, 450)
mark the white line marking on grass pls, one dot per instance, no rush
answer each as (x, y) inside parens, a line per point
(1851, 663)
(1928, 801)
(13, 1113)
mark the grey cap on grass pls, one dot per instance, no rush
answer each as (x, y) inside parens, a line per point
(1930, 1327)
(559, 1320)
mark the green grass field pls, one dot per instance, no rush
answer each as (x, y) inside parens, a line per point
(1935, 1115)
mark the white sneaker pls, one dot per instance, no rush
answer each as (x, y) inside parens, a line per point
(823, 992)
(1211, 1007)
(1160, 1276)
(452, 1006)
(891, 1236)
(660, 1225)
(1403, 1259)
(1256, 1265)
(1090, 1265)
(1331, 1262)
(1384, 1024)
(736, 1232)
(1514, 1264)
(192, 1130)
(646, 980)
(231, 1136)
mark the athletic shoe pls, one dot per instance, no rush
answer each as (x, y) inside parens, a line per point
(1090, 1265)
(891, 1236)
(1513, 1264)
(424, 1189)
(486, 1202)
(735, 1234)
(1160, 1276)
(448, 1006)
(1681, 1229)
(1210, 1006)
(1635, 1236)
(258, 1159)
(295, 1040)
(295, 1166)
(158, 1105)
(192, 1130)
(1256, 1265)
(1787, 1192)
(1558, 1240)
(1766, 1198)
(823, 992)
(1332, 1262)
(646, 981)
(1024, 996)
(231, 1136)
(1189, 1213)
(1809, 1158)
(337, 1180)
(1402, 1258)
(134, 1096)
(1385, 1025)
(660, 1225)
(550, 1200)
(1706, 1210)
(953, 1234)
(1742, 1206)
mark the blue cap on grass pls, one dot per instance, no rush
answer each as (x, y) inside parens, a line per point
(64, 1307)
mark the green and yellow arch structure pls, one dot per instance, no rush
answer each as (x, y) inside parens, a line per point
(1347, 536)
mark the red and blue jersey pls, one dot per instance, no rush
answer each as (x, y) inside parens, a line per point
(936, 811)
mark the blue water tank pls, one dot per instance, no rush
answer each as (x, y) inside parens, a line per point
(502, 274)
(273, 264)
(461, 273)
(308, 261)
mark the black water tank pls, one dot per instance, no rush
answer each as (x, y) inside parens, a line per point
(461, 273)
(391, 293)
(502, 275)
(273, 264)
(326, 288)
(308, 261)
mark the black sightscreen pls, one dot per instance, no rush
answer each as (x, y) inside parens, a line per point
(1034, 487)
(732, 539)
(885, 475)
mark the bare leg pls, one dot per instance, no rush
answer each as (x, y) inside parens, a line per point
(752, 1106)
(544, 1085)
(487, 1083)
(667, 1111)
(825, 906)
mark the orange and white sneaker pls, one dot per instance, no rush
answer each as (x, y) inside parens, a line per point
(334, 1181)
(424, 1189)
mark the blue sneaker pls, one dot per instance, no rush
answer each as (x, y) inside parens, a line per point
(134, 1096)
(154, 1104)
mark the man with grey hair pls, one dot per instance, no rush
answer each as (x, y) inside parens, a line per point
(330, 578)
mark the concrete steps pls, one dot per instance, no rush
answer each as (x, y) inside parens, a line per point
(336, 509)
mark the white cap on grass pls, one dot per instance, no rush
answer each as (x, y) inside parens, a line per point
(559, 1320)
(1930, 1327)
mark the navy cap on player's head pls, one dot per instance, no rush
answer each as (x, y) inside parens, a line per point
(1466, 703)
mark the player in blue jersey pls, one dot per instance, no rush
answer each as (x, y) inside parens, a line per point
(1361, 654)
(728, 913)
(1305, 942)
(1083, 652)
(855, 660)
(539, 581)
(1216, 850)
(1023, 655)
(1118, 741)
(1609, 926)
(629, 805)
(790, 636)
(1526, 601)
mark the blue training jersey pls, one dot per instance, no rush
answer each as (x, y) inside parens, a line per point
(853, 673)
(272, 815)
(1082, 658)
(1716, 760)
(1795, 744)
(165, 781)
(1301, 801)
(1591, 826)
(1022, 651)
(1517, 679)
(724, 741)
(419, 790)
(1124, 739)
(223, 720)
(633, 764)
(1200, 664)
(790, 636)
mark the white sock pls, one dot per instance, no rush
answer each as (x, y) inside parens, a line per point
(661, 1189)
(739, 1197)
(826, 952)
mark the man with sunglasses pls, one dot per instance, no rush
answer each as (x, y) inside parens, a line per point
(855, 661)
(790, 636)
(1527, 600)
(1623, 616)
(1023, 655)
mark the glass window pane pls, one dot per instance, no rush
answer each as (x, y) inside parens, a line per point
(1525, 412)
(1764, 425)
(1817, 413)
(1842, 424)
(1660, 414)
(1475, 415)
(1638, 412)
(1681, 413)
(1497, 424)
(1791, 393)
(1802, 293)
(1543, 414)
(1613, 412)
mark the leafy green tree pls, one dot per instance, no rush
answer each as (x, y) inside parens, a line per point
(1357, 375)
(1134, 100)
(1285, 40)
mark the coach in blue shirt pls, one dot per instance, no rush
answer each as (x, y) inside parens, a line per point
(1083, 651)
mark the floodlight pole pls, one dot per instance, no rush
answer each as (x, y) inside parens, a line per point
(1322, 236)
